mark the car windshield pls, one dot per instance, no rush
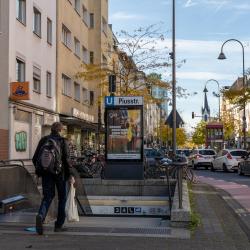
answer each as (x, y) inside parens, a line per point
(239, 153)
(206, 152)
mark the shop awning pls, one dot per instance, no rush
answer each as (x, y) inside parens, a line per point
(84, 125)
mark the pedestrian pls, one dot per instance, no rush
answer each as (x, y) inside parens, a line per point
(52, 163)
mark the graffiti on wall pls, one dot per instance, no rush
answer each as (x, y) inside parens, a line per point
(21, 141)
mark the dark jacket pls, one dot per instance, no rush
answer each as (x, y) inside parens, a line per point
(66, 164)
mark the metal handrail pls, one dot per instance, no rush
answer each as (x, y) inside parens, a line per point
(16, 162)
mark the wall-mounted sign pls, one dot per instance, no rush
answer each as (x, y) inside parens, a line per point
(82, 115)
(123, 100)
(21, 141)
(19, 91)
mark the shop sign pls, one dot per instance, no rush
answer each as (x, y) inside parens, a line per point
(82, 115)
(19, 91)
(123, 100)
(49, 119)
(21, 141)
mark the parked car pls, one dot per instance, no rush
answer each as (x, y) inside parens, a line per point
(201, 158)
(153, 156)
(184, 151)
(228, 159)
(244, 166)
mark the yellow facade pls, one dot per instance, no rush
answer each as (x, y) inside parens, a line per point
(84, 24)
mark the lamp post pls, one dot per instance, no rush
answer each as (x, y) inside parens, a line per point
(223, 57)
(213, 80)
(173, 57)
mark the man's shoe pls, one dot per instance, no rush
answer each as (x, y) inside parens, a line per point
(39, 224)
(60, 229)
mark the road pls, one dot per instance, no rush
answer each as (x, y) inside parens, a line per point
(228, 177)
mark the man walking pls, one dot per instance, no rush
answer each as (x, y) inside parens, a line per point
(52, 163)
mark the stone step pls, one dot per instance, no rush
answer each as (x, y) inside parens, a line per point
(126, 205)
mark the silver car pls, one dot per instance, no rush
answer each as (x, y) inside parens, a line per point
(228, 160)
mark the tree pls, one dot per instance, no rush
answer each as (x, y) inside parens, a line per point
(166, 135)
(199, 135)
(137, 54)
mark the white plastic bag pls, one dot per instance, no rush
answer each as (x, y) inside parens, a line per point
(71, 207)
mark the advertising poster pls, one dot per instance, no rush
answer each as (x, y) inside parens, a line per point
(124, 134)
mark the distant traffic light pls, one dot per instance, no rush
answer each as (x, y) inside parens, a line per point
(192, 115)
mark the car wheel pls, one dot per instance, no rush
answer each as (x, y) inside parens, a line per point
(240, 171)
(212, 168)
(225, 168)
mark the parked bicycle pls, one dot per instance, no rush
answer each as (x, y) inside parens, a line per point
(89, 165)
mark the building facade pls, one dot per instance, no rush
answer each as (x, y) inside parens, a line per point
(28, 42)
(83, 36)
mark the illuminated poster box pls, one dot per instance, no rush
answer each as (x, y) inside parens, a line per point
(124, 128)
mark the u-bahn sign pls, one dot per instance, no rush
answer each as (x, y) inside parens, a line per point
(123, 101)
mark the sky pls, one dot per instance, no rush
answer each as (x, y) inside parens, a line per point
(201, 28)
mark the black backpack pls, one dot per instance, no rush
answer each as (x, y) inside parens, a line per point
(49, 158)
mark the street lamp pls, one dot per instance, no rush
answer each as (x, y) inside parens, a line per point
(173, 57)
(213, 80)
(223, 57)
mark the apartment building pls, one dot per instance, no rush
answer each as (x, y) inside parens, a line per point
(82, 35)
(27, 67)
(237, 116)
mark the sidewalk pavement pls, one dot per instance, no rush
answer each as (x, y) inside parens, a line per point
(220, 229)
(237, 196)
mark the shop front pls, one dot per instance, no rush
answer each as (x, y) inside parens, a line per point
(80, 130)
(28, 125)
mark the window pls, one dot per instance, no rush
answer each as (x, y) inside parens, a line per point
(91, 57)
(37, 22)
(85, 15)
(49, 31)
(104, 60)
(109, 50)
(77, 48)
(77, 94)
(85, 99)
(91, 98)
(104, 26)
(91, 20)
(66, 36)
(77, 6)
(21, 11)
(20, 70)
(85, 55)
(36, 79)
(48, 84)
(66, 85)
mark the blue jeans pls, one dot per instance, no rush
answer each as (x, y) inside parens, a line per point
(49, 182)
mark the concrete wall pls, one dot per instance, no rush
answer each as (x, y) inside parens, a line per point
(127, 187)
(15, 181)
